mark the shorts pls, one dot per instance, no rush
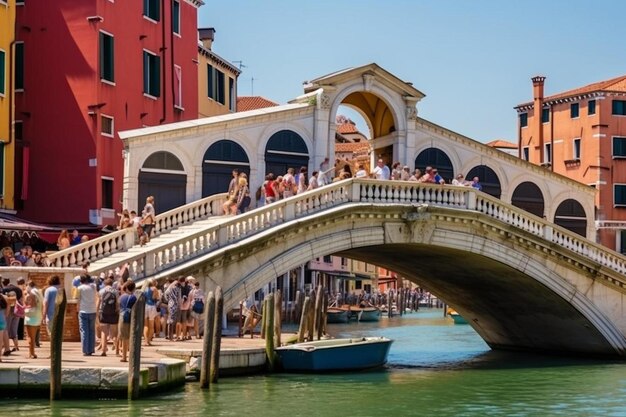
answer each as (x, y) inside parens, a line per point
(184, 316)
(12, 324)
(151, 312)
(110, 330)
(123, 330)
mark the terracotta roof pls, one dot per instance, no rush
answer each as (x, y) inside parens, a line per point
(613, 84)
(245, 103)
(500, 143)
(347, 128)
(351, 147)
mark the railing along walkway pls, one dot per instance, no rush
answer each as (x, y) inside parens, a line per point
(186, 246)
(123, 240)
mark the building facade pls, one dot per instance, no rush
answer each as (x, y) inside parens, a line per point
(581, 134)
(217, 79)
(84, 71)
(7, 97)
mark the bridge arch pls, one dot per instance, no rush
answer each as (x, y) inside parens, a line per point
(285, 149)
(437, 158)
(488, 179)
(220, 159)
(163, 176)
(528, 196)
(571, 215)
(511, 296)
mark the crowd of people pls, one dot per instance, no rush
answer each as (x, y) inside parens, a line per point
(173, 311)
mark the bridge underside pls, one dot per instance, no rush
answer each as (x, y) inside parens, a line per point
(509, 309)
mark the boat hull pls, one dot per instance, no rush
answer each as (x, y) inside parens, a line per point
(335, 355)
(336, 315)
(370, 314)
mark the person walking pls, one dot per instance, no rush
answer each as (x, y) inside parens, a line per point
(127, 301)
(49, 301)
(86, 298)
(108, 315)
(33, 316)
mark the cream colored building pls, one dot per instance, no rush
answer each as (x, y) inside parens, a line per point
(217, 79)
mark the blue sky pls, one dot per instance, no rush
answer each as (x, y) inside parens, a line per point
(472, 59)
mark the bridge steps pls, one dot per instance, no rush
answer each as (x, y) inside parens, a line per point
(117, 259)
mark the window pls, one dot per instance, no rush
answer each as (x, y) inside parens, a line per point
(19, 66)
(523, 119)
(525, 153)
(328, 259)
(2, 71)
(547, 153)
(151, 9)
(107, 127)
(107, 68)
(215, 84)
(591, 107)
(231, 94)
(176, 16)
(619, 107)
(619, 147)
(576, 149)
(619, 195)
(545, 115)
(178, 87)
(151, 74)
(107, 192)
(2, 167)
(344, 261)
(622, 242)
(574, 109)
(18, 130)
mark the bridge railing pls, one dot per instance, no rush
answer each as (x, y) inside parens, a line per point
(158, 258)
(124, 239)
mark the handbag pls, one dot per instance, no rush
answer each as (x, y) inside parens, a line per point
(198, 306)
(19, 310)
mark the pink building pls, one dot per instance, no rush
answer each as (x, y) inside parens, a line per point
(86, 70)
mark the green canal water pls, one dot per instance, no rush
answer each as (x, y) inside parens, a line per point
(435, 368)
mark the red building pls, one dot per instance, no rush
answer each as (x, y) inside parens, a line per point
(88, 69)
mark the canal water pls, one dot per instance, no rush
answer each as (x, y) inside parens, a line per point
(435, 368)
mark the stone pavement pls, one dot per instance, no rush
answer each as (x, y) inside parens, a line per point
(73, 357)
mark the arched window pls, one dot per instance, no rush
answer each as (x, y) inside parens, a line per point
(528, 196)
(219, 161)
(162, 176)
(571, 215)
(285, 149)
(435, 158)
(488, 179)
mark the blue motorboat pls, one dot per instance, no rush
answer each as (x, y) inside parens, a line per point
(335, 354)
(336, 315)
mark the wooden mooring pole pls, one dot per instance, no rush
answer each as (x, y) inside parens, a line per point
(56, 345)
(278, 302)
(207, 341)
(306, 305)
(217, 334)
(269, 332)
(134, 355)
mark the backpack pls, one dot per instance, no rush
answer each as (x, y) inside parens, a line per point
(198, 306)
(108, 307)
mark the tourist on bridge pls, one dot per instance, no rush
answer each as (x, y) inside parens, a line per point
(417, 174)
(361, 173)
(313, 184)
(108, 315)
(148, 217)
(476, 184)
(302, 180)
(460, 181)
(243, 196)
(33, 316)
(381, 171)
(289, 183)
(270, 189)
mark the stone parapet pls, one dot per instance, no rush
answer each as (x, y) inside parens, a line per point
(105, 382)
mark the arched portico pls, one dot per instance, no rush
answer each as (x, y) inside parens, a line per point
(162, 175)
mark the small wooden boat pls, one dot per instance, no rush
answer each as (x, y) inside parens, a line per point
(335, 354)
(368, 313)
(336, 315)
(458, 319)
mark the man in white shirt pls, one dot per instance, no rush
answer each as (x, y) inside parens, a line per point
(381, 172)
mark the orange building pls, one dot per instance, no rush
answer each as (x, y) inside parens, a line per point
(581, 134)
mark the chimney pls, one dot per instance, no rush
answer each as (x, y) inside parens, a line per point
(538, 82)
(206, 35)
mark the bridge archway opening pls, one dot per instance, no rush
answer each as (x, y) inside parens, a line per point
(285, 149)
(488, 179)
(570, 214)
(435, 158)
(219, 161)
(529, 197)
(162, 175)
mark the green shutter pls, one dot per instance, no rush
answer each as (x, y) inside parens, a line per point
(176, 17)
(19, 66)
(155, 76)
(2, 71)
(107, 67)
(146, 72)
(210, 82)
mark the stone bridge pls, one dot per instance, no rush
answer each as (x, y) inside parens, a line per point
(521, 281)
